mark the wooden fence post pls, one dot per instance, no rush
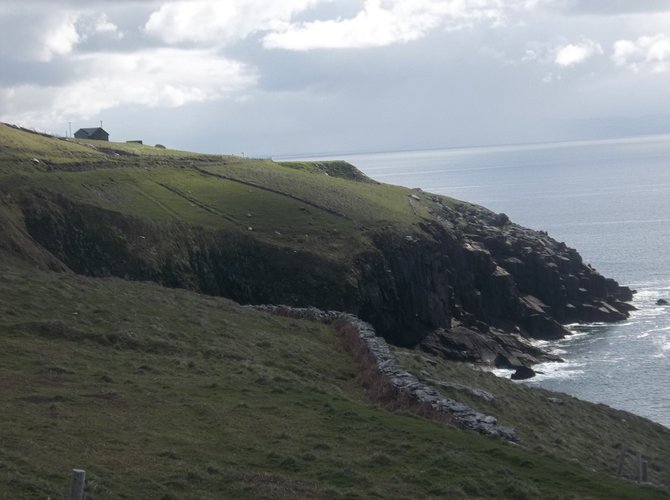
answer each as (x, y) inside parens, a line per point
(77, 484)
(639, 466)
(622, 458)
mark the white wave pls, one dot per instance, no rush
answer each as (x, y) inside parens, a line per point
(608, 359)
(577, 331)
(502, 372)
(557, 371)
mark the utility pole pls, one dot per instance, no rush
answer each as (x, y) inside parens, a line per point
(69, 124)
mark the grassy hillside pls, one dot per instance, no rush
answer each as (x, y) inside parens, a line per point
(166, 393)
(211, 190)
(149, 213)
(163, 393)
(552, 423)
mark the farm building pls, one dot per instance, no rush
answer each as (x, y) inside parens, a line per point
(95, 134)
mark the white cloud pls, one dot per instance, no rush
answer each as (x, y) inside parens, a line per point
(651, 52)
(378, 23)
(103, 25)
(91, 25)
(219, 22)
(374, 26)
(150, 78)
(385, 22)
(573, 54)
(60, 38)
(31, 34)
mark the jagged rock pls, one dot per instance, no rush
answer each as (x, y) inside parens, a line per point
(501, 219)
(600, 311)
(661, 302)
(493, 347)
(556, 401)
(523, 373)
(624, 307)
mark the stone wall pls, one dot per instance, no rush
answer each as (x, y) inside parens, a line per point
(402, 383)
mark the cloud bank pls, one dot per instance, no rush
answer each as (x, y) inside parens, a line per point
(149, 78)
(420, 72)
(221, 22)
(381, 23)
(647, 52)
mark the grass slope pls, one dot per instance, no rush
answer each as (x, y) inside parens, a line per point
(163, 393)
(586, 433)
(296, 205)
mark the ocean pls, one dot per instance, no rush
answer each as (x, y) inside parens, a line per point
(608, 199)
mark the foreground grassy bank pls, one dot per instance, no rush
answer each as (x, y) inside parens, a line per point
(163, 393)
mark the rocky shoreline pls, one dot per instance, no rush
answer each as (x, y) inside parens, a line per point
(510, 285)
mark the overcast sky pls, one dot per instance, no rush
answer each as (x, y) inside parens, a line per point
(272, 77)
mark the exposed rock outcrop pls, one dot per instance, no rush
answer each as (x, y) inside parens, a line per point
(476, 287)
(523, 373)
(492, 347)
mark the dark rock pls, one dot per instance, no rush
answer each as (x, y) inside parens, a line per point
(494, 347)
(523, 373)
(624, 307)
(501, 219)
(661, 302)
(600, 311)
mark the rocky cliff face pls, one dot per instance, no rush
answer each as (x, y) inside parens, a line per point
(512, 283)
(470, 285)
(476, 287)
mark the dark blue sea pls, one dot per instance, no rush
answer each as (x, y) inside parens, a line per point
(608, 199)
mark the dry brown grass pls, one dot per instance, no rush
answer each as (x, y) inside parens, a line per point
(378, 387)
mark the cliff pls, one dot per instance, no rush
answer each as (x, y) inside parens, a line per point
(425, 270)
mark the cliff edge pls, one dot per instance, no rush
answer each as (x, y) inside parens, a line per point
(427, 271)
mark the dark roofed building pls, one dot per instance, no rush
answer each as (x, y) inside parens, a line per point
(94, 134)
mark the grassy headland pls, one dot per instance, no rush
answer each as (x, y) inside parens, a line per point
(170, 393)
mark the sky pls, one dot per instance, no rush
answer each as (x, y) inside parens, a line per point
(291, 77)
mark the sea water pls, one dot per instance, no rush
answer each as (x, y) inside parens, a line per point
(608, 199)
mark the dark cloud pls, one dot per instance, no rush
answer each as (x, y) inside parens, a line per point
(33, 72)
